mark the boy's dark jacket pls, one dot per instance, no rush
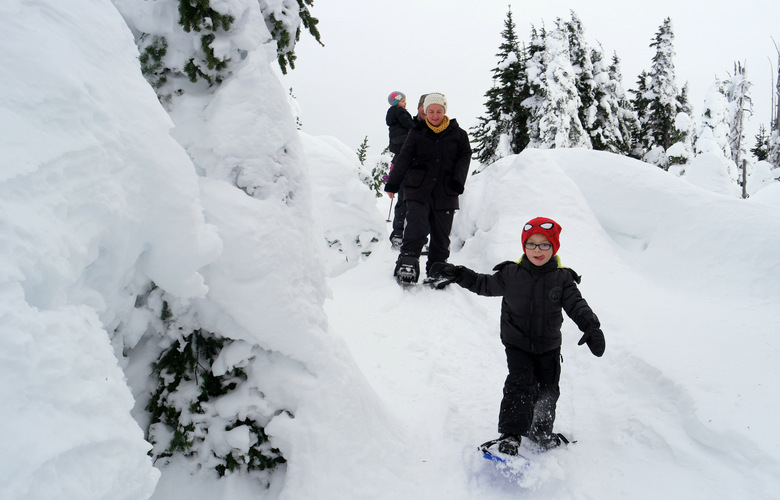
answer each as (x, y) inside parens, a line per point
(399, 122)
(534, 297)
(432, 166)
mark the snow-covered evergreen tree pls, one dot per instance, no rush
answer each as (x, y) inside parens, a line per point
(761, 148)
(640, 103)
(722, 127)
(712, 134)
(774, 149)
(681, 151)
(774, 126)
(658, 102)
(284, 21)
(596, 92)
(610, 119)
(503, 129)
(582, 64)
(627, 119)
(555, 102)
(206, 49)
(740, 107)
(206, 406)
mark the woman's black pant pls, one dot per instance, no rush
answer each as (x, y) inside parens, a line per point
(422, 219)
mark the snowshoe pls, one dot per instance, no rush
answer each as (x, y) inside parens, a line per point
(550, 441)
(508, 444)
(506, 461)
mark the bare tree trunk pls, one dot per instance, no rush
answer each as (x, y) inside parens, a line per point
(774, 125)
(774, 122)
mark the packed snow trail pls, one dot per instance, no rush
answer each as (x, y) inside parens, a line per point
(654, 418)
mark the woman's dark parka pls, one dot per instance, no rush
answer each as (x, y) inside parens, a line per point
(533, 300)
(432, 166)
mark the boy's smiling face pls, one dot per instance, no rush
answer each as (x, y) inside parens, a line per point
(537, 256)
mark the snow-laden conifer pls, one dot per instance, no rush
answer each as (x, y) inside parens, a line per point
(555, 102)
(580, 56)
(503, 130)
(658, 99)
(613, 121)
(206, 404)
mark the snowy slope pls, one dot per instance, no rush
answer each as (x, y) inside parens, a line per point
(685, 283)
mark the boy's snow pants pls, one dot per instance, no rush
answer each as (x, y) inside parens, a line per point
(531, 392)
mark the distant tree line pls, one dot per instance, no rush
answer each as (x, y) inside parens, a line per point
(556, 91)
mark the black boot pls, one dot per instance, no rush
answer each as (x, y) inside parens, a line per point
(509, 444)
(549, 441)
(407, 269)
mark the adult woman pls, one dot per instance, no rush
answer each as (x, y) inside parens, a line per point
(432, 167)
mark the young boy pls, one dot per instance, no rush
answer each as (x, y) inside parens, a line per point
(535, 290)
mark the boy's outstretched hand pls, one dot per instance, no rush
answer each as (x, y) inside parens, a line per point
(595, 340)
(445, 272)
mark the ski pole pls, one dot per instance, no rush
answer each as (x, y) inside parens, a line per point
(391, 209)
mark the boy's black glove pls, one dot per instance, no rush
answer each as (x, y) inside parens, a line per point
(445, 272)
(595, 341)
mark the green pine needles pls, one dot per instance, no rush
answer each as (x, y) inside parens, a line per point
(362, 150)
(179, 409)
(260, 457)
(151, 59)
(379, 176)
(198, 16)
(204, 63)
(281, 33)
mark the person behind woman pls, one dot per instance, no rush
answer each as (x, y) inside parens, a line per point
(432, 168)
(399, 122)
(399, 214)
(420, 116)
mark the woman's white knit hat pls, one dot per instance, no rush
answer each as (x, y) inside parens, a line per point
(435, 98)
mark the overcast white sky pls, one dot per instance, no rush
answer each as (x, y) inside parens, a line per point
(373, 47)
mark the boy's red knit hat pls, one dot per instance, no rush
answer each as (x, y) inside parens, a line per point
(544, 226)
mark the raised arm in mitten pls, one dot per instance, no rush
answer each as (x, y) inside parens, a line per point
(595, 340)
